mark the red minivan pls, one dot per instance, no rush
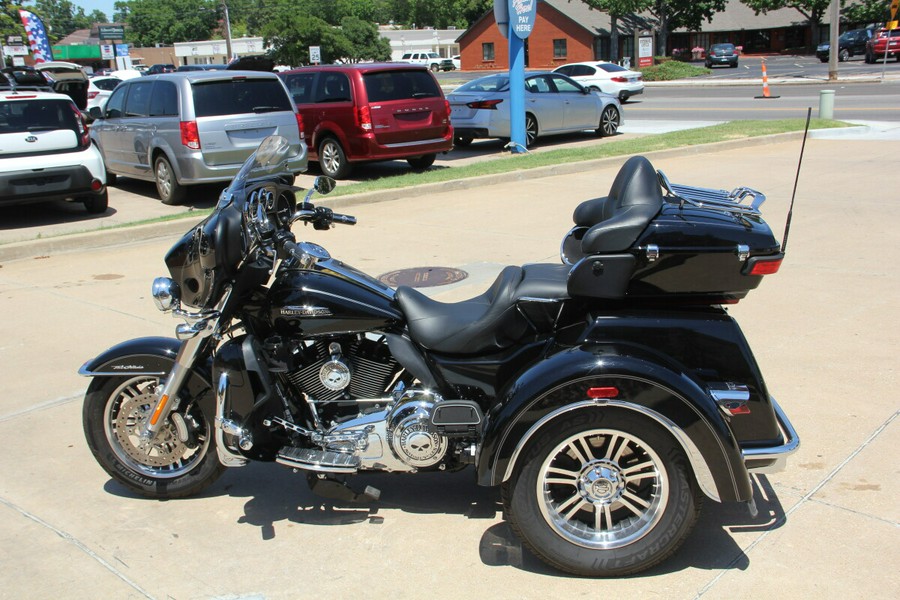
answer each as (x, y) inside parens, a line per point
(370, 112)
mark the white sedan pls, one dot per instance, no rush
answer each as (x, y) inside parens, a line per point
(605, 77)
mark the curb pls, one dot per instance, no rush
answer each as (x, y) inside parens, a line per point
(104, 238)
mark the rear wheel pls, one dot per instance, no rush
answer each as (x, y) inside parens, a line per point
(180, 462)
(332, 160)
(111, 178)
(463, 140)
(606, 493)
(609, 121)
(170, 191)
(97, 204)
(420, 163)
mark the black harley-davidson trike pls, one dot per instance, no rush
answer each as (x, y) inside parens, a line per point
(606, 394)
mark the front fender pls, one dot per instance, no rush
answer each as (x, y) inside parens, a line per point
(559, 384)
(153, 357)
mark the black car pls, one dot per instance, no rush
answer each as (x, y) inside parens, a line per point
(160, 68)
(722, 54)
(851, 43)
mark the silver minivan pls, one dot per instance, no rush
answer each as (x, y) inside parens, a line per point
(182, 129)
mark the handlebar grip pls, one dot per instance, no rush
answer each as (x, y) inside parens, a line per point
(293, 249)
(343, 219)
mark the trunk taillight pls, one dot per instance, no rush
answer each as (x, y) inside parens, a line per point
(620, 79)
(190, 136)
(300, 125)
(364, 117)
(92, 95)
(485, 104)
(763, 265)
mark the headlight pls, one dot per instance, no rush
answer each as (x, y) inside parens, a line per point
(166, 294)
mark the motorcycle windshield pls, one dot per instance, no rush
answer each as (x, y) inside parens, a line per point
(269, 159)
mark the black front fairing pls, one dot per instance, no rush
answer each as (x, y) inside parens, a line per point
(206, 257)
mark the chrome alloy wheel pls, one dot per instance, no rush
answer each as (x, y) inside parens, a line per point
(331, 158)
(531, 130)
(167, 456)
(609, 121)
(602, 489)
(164, 178)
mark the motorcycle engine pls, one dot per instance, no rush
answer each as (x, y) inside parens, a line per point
(410, 434)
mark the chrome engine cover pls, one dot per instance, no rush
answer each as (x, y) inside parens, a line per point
(410, 434)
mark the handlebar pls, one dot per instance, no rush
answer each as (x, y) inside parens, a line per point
(321, 217)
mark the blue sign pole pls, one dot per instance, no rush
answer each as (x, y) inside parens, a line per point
(516, 94)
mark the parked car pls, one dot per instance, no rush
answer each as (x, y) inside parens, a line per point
(160, 68)
(99, 89)
(554, 104)
(209, 67)
(722, 54)
(432, 60)
(851, 43)
(447, 65)
(182, 129)
(46, 152)
(883, 45)
(370, 112)
(606, 77)
(457, 62)
(67, 78)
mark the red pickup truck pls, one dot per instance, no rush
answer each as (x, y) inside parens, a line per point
(885, 44)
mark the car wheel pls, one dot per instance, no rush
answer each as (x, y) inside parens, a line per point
(609, 121)
(605, 493)
(170, 191)
(111, 178)
(870, 58)
(332, 160)
(844, 55)
(435, 68)
(97, 204)
(623, 97)
(824, 60)
(420, 163)
(734, 65)
(462, 140)
(531, 129)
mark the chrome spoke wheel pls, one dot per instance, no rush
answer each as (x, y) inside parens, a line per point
(602, 489)
(531, 130)
(609, 121)
(176, 450)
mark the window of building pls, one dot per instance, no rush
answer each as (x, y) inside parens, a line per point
(559, 49)
(487, 51)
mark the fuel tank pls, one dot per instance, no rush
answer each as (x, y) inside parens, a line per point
(308, 303)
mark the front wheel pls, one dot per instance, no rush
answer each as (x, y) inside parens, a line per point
(531, 130)
(606, 493)
(180, 462)
(844, 55)
(609, 121)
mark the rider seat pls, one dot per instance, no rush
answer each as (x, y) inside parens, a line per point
(486, 323)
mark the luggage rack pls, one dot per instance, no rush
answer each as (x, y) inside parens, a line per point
(741, 200)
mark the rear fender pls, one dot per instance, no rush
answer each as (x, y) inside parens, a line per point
(557, 386)
(153, 357)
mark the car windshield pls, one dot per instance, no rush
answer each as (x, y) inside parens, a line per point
(491, 83)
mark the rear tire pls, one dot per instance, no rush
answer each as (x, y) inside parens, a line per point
(170, 191)
(463, 141)
(111, 178)
(97, 204)
(332, 160)
(602, 493)
(114, 410)
(420, 163)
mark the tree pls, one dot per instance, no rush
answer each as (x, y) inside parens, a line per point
(812, 11)
(616, 10)
(10, 23)
(291, 36)
(153, 22)
(867, 11)
(365, 41)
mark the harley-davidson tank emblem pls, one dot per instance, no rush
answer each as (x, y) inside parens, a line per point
(305, 311)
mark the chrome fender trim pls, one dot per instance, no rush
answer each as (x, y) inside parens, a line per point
(701, 469)
(779, 453)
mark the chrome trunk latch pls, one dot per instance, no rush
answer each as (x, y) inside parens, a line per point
(652, 252)
(743, 252)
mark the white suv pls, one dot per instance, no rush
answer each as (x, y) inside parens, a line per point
(432, 60)
(46, 152)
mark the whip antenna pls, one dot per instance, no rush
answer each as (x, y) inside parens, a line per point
(787, 225)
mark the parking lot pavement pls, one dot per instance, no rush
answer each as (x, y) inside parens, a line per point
(821, 329)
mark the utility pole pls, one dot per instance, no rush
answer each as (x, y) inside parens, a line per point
(228, 53)
(834, 15)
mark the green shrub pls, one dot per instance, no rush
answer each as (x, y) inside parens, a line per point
(672, 69)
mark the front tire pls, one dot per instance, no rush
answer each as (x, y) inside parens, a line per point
(601, 494)
(609, 121)
(170, 191)
(531, 130)
(844, 55)
(115, 409)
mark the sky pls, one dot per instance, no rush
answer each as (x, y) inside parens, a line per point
(90, 6)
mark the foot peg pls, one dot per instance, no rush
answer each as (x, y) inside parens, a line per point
(335, 489)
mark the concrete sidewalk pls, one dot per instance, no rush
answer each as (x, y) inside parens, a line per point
(822, 330)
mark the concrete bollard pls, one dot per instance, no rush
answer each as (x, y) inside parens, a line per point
(826, 104)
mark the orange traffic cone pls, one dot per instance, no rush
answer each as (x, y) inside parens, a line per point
(765, 79)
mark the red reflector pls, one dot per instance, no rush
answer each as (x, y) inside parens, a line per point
(765, 267)
(742, 409)
(190, 137)
(487, 104)
(602, 392)
(96, 186)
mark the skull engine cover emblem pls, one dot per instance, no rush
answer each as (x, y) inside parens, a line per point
(335, 375)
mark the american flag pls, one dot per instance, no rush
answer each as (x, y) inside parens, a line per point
(37, 36)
